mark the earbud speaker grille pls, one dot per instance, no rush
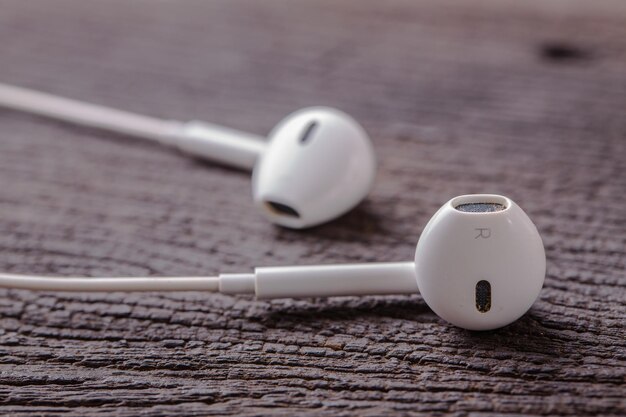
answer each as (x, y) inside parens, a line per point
(480, 207)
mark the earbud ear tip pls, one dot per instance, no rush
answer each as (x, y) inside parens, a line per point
(319, 164)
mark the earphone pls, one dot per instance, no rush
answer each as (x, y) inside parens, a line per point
(479, 264)
(317, 164)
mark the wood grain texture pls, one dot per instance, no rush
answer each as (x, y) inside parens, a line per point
(526, 99)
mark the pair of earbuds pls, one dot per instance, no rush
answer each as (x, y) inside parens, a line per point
(479, 263)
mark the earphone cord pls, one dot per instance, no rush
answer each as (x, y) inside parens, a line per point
(42, 283)
(30, 101)
(265, 283)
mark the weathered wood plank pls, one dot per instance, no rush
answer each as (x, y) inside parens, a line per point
(483, 96)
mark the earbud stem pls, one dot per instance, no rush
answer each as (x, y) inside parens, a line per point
(220, 144)
(324, 280)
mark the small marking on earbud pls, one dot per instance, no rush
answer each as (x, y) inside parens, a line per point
(483, 233)
(308, 131)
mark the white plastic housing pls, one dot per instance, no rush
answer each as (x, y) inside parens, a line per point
(319, 163)
(459, 249)
(220, 144)
(335, 280)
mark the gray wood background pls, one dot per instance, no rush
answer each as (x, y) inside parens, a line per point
(526, 99)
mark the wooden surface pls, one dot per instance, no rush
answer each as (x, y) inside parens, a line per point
(525, 99)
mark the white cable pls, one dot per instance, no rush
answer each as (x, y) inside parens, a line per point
(272, 282)
(84, 284)
(86, 114)
(206, 140)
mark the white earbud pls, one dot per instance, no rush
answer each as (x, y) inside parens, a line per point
(479, 264)
(317, 165)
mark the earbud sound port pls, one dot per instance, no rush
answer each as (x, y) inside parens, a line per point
(281, 209)
(483, 296)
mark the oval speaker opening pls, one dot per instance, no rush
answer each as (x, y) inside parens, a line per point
(281, 209)
(483, 296)
(480, 207)
(308, 131)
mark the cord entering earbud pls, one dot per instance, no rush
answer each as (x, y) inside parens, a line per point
(281, 209)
